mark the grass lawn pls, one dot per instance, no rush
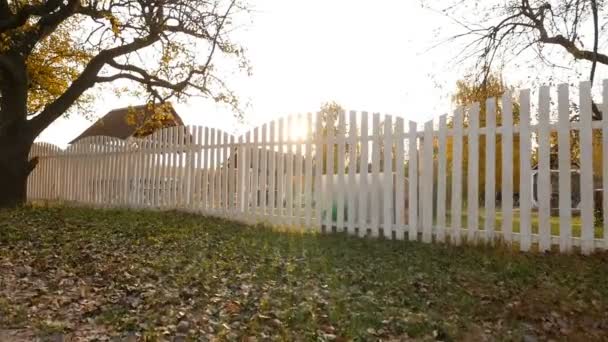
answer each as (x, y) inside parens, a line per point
(95, 274)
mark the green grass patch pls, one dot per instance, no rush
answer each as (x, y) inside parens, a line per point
(160, 274)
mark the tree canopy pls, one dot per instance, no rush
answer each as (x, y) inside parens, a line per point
(566, 36)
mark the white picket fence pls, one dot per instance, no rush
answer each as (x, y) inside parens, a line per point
(394, 180)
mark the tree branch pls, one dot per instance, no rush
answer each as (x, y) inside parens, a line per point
(86, 80)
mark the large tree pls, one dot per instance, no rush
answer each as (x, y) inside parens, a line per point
(53, 52)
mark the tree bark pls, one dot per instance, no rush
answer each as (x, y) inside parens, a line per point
(16, 135)
(15, 166)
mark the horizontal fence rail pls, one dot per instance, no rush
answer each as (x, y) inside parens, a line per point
(506, 170)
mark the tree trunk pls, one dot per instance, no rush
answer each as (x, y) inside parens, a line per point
(16, 135)
(14, 168)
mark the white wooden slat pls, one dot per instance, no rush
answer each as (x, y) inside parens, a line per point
(352, 171)
(108, 172)
(289, 182)
(272, 167)
(565, 199)
(387, 178)
(173, 134)
(329, 173)
(586, 162)
(473, 175)
(247, 165)
(544, 175)
(148, 146)
(605, 161)
(168, 178)
(525, 195)
(240, 176)
(308, 202)
(441, 179)
(456, 202)
(125, 174)
(255, 189)
(317, 179)
(281, 173)
(341, 181)
(166, 175)
(125, 158)
(207, 171)
(140, 173)
(263, 170)
(427, 185)
(400, 180)
(199, 170)
(113, 173)
(145, 172)
(163, 168)
(226, 174)
(100, 171)
(363, 177)
(375, 188)
(219, 177)
(490, 172)
(211, 171)
(232, 178)
(153, 144)
(507, 167)
(413, 182)
(298, 176)
(184, 166)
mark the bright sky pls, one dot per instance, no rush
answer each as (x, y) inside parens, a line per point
(364, 55)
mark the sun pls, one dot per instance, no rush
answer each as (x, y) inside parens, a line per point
(298, 129)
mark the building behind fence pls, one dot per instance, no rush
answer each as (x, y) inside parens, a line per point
(371, 175)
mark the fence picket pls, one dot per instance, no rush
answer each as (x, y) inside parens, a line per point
(507, 167)
(375, 188)
(289, 158)
(298, 176)
(490, 172)
(308, 203)
(525, 205)
(413, 182)
(456, 208)
(272, 157)
(352, 170)
(441, 179)
(565, 199)
(427, 182)
(363, 176)
(544, 175)
(586, 162)
(281, 173)
(263, 169)
(387, 180)
(400, 180)
(318, 178)
(473, 175)
(605, 161)
(341, 182)
(329, 174)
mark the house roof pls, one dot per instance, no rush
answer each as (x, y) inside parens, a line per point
(114, 123)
